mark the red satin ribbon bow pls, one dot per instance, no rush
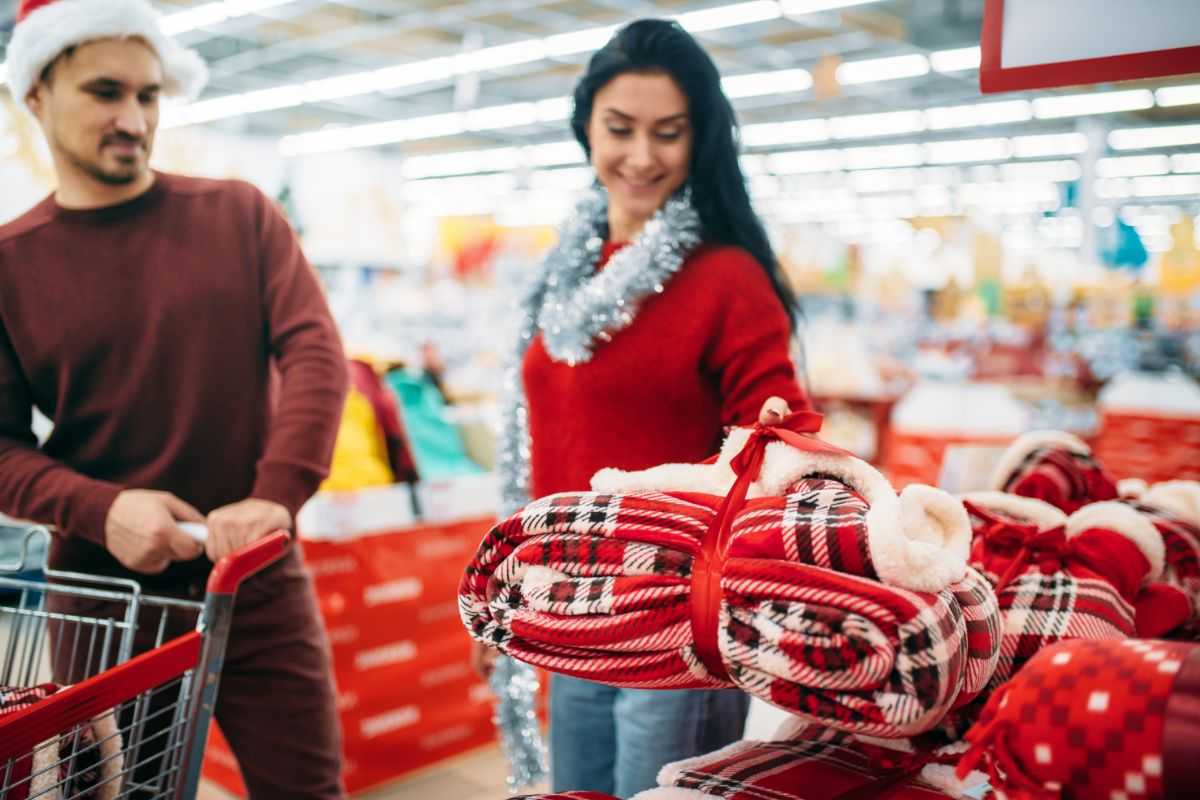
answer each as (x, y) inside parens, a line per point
(1022, 544)
(706, 570)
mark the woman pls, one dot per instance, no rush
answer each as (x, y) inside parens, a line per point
(659, 318)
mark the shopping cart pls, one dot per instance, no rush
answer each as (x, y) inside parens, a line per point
(80, 715)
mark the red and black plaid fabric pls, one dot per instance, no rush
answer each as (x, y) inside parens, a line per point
(599, 587)
(1050, 587)
(813, 764)
(1063, 477)
(1095, 719)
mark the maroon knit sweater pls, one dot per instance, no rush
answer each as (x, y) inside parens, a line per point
(703, 354)
(150, 332)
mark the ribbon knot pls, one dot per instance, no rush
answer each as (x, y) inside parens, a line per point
(1022, 544)
(795, 430)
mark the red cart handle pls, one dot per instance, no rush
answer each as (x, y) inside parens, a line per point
(230, 571)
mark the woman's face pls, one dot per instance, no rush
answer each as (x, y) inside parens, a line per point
(641, 140)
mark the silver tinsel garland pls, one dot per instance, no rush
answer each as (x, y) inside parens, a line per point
(573, 307)
(515, 685)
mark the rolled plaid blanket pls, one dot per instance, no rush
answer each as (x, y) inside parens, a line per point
(85, 763)
(809, 763)
(1094, 719)
(627, 589)
(1059, 577)
(1055, 467)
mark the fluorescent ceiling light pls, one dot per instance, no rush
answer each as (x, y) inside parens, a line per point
(1049, 144)
(884, 180)
(214, 13)
(1161, 136)
(797, 7)
(1132, 166)
(498, 159)
(374, 134)
(967, 151)
(553, 154)
(891, 155)
(569, 44)
(1185, 162)
(862, 126)
(554, 109)
(492, 118)
(1054, 171)
(1074, 105)
(801, 131)
(783, 81)
(882, 69)
(711, 19)
(505, 55)
(979, 114)
(804, 161)
(957, 60)
(1178, 95)
(1167, 186)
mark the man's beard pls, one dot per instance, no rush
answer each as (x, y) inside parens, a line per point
(125, 176)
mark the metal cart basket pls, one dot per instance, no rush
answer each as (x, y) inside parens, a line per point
(82, 716)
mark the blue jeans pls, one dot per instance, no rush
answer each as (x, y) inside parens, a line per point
(604, 739)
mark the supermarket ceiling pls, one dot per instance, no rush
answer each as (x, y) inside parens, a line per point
(430, 76)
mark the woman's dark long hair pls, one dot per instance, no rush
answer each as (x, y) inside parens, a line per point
(718, 186)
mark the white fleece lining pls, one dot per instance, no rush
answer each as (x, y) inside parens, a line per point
(918, 540)
(112, 756)
(1025, 444)
(1021, 509)
(43, 782)
(52, 28)
(1120, 518)
(1180, 498)
(1131, 488)
(672, 793)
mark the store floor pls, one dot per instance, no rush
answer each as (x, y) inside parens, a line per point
(475, 776)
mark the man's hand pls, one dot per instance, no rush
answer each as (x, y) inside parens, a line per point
(140, 530)
(773, 411)
(234, 526)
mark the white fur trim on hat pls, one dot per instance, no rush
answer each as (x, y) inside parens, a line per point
(47, 31)
(918, 540)
(1028, 510)
(1180, 498)
(1131, 488)
(1025, 444)
(1125, 520)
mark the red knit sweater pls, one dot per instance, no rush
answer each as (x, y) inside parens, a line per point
(703, 354)
(146, 331)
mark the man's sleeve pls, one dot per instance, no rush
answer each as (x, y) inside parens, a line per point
(306, 348)
(32, 485)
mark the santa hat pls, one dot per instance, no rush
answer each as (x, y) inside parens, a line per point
(1053, 466)
(45, 28)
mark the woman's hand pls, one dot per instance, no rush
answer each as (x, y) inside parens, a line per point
(483, 658)
(773, 411)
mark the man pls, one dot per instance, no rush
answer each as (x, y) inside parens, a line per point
(145, 313)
